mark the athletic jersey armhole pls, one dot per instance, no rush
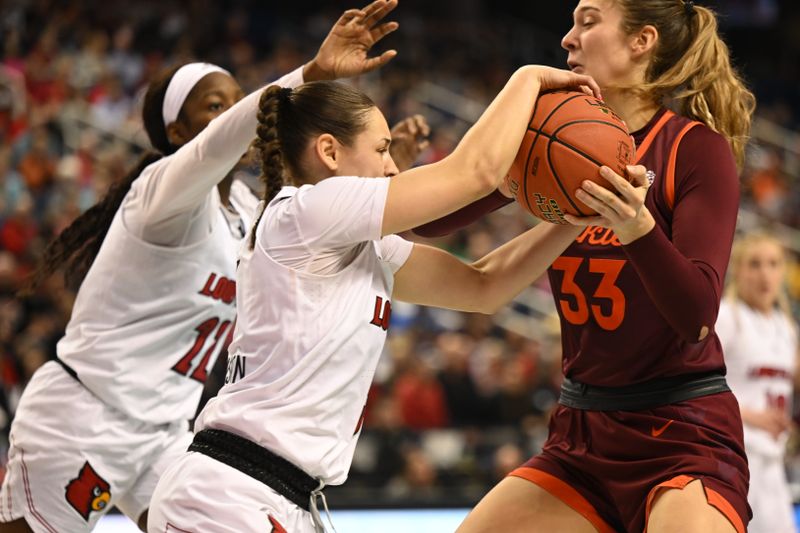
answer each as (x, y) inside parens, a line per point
(669, 182)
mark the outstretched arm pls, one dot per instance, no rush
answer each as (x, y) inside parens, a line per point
(175, 191)
(482, 158)
(433, 277)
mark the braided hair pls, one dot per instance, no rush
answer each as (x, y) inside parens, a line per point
(75, 248)
(288, 119)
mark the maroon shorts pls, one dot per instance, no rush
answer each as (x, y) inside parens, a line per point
(608, 465)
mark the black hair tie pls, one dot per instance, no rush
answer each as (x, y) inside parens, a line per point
(688, 6)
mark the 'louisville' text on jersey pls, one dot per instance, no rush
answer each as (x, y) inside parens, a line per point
(224, 289)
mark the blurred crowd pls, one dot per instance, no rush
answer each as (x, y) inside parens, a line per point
(458, 399)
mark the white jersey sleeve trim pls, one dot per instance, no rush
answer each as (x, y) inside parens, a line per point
(340, 212)
(395, 251)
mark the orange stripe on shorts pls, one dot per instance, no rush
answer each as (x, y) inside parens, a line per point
(714, 498)
(566, 494)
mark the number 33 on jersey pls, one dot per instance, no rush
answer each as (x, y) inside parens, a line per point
(588, 285)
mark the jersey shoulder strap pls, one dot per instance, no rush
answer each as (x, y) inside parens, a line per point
(669, 181)
(659, 148)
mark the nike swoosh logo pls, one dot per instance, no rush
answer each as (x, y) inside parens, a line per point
(657, 432)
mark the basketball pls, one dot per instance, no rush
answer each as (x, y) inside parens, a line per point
(570, 136)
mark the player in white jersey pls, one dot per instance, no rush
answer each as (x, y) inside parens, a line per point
(156, 307)
(316, 281)
(759, 339)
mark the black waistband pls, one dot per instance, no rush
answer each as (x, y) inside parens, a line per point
(69, 370)
(641, 396)
(259, 463)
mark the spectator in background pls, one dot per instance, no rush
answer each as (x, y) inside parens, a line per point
(759, 339)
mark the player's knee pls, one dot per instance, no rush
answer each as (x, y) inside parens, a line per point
(686, 510)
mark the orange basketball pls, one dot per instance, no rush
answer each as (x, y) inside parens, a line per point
(570, 136)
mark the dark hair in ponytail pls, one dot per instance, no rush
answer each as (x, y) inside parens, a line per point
(289, 118)
(269, 146)
(75, 248)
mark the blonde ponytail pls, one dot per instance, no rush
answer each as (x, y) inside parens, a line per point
(691, 71)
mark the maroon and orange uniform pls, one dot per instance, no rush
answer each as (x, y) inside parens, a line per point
(640, 312)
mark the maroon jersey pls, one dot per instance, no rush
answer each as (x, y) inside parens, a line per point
(637, 312)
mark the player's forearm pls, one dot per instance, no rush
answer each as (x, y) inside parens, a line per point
(433, 277)
(474, 169)
(750, 417)
(514, 266)
(490, 145)
(685, 292)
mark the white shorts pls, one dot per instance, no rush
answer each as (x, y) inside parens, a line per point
(769, 496)
(72, 457)
(198, 494)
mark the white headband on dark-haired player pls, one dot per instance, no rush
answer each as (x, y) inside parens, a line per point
(181, 84)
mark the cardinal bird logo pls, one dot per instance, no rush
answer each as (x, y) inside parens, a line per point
(88, 492)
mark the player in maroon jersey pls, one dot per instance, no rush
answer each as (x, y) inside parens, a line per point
(647, 434)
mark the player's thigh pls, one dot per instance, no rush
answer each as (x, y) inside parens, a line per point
(58, 477)
(518, 505)
(198, 494)
(170, 446)
(686, 510)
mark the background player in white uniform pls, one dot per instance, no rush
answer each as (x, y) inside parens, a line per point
(759, 339)
(315, 287)
(157, 304)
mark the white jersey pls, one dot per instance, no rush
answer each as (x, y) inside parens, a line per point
(314, 307)
(158, 304)
(760, 351)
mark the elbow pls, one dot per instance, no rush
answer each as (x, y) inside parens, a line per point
(697, 330)
(488, 176)
(482, 172)
(486, 301)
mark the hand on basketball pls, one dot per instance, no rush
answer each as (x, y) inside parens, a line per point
(623, 211)
(409, 139)
(343, 53)
(554, 78)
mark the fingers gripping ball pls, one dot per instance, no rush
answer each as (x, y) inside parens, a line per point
(570, 136)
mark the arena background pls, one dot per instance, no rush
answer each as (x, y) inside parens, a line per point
(458, 399)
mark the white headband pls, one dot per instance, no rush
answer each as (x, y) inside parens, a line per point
(181, 84)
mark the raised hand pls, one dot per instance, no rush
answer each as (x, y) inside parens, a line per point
(409, 139)
(623, 211)
(555, 78)
(343, 53)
